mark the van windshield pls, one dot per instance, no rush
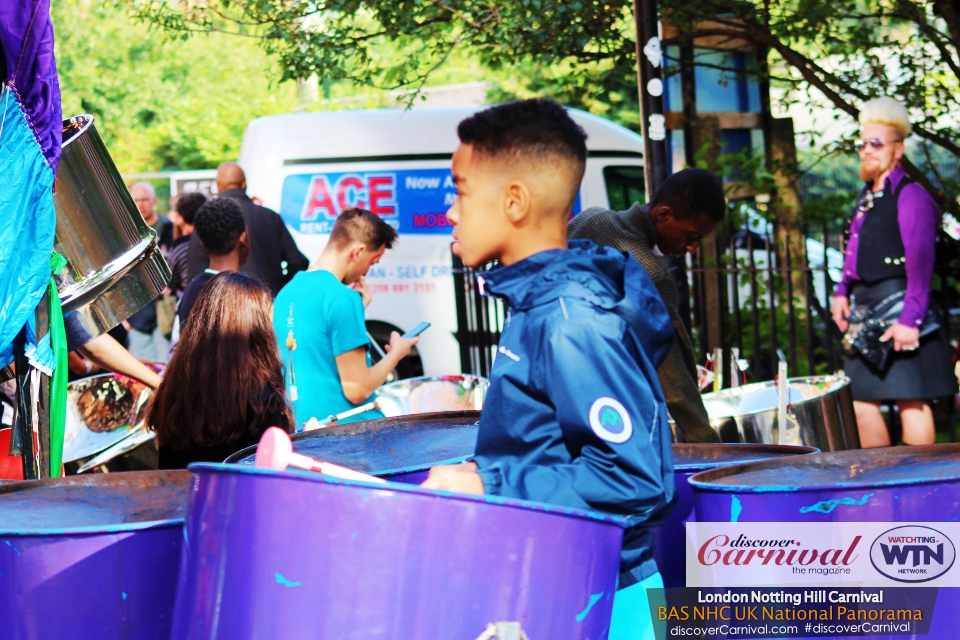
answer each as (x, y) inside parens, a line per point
(624, 186)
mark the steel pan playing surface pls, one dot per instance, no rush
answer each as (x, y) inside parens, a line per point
(91, 556)
(101, 411)
(401, 449)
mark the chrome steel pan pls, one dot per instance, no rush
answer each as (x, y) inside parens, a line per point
(430, 394)
(820, 414)
(114, 267)
(102, 411)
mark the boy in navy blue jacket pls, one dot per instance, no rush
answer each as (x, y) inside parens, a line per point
(575, 415)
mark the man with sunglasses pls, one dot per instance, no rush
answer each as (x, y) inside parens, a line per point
(888, 267)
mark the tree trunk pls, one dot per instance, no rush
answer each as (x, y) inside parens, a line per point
(790, 238)
(706, 140)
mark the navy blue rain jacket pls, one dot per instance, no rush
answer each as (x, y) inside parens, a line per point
(575, 415)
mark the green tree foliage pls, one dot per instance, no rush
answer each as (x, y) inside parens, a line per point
(602, 88)
(839, 51)
(342, 39)
(160, 104)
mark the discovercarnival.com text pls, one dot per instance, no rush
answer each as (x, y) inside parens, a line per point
(812, 629)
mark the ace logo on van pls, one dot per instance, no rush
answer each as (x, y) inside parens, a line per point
(374, 191)
(912, 554)
(413, 201)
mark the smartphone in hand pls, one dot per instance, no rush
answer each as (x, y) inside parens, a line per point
(417, 330)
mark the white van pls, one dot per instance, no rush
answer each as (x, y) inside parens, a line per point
(311, 166)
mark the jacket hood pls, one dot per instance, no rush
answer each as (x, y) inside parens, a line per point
(584, 270)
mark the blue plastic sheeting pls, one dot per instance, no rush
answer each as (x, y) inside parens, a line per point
(27, 222)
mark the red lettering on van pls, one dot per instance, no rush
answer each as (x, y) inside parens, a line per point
(345, 198)
(431, 220)
(382, 191)
(319, 200)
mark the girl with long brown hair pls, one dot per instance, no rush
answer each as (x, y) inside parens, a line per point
(224, 385)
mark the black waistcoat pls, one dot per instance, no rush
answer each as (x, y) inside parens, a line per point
(880, 253)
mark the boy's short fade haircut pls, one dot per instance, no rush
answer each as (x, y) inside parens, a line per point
(219, 225)
(360, 225)
(539, 126)
(189, 204)
(692, 193)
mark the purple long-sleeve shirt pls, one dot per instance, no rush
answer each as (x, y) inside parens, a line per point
(919, 220)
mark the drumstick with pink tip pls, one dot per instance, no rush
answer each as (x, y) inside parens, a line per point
(275, 451)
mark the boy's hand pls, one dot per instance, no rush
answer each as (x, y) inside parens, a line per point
(360, 286)
(400, 345)
(462, 478)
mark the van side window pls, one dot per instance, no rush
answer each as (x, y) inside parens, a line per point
(624, 186)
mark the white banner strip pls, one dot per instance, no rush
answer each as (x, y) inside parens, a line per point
(868, 554)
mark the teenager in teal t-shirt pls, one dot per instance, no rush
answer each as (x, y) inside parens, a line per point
(325, 319)
(319, 321)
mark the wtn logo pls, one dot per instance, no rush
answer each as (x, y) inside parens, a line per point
(900, 554)
(912, 554)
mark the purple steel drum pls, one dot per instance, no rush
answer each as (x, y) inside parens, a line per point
(894, 484)
(91, 556)
(297, 555)
(400, 449)
(669, 539)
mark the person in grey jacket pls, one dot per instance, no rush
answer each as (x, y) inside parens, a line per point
(687, 207)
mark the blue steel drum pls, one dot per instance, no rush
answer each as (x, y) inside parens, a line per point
(401, 449)
(91, 556)
(893, 484)
(669, 539)
(298, 555)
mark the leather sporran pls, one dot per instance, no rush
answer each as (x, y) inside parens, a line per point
(867, 324)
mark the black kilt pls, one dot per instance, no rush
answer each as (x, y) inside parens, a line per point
(910, 375)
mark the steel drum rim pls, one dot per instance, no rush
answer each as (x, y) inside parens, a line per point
(87, 120)
(421, 467)
(146, 525)
(246, 452)
(792, 449)
(385, 474)
(425, 417)
(398, 487)
(138, 431)
(772, 384)
(98, 281)
(705, 483)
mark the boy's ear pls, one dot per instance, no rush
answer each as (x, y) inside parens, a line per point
(519, 201)
(355, 250)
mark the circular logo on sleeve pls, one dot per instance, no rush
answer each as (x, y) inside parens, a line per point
(610, 420)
